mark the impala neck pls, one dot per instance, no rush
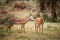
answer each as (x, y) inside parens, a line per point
(29, 18)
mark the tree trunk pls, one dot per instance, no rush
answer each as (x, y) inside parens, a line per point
(42, 3)
(7, 1)
(53, 10)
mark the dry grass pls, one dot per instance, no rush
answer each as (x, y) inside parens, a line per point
(51, 32)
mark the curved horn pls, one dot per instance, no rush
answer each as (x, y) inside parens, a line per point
(31, 17)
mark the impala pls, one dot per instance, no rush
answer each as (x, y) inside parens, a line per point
(39, 21)
(21, 22)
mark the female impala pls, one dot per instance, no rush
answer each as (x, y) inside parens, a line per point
(39, 21)
(21, 22)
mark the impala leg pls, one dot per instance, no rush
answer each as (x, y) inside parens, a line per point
(39, 28)
(23, 28)
(36, 28)
(9, 27)
(42, 28)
